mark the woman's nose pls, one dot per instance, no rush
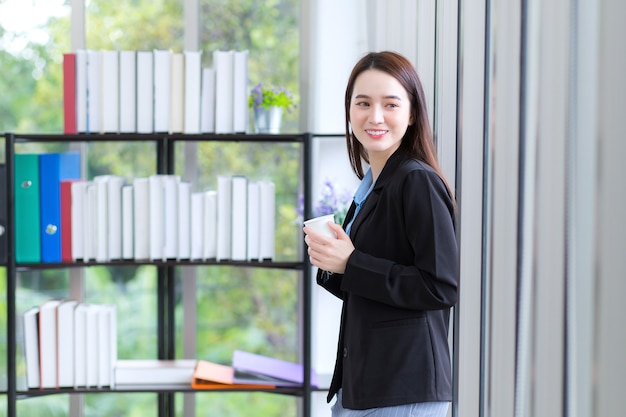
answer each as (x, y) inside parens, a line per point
(376, 115)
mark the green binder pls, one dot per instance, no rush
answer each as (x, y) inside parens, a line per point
(27, 237)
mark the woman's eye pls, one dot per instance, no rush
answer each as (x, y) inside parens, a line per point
(362, 103)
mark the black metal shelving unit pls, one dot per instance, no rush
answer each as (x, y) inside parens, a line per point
(164, 144)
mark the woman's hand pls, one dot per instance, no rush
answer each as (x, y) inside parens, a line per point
(327, 253)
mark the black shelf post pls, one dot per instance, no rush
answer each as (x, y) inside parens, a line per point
(166, 290)
(306, 295)
(10, 279)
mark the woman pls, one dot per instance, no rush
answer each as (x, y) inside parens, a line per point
(395, 265)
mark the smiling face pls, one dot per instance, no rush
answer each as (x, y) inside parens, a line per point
(380, 113)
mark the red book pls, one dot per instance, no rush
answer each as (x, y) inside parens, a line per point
(69, 93)
(66, 220)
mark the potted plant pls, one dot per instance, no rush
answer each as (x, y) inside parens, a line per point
(268, 102)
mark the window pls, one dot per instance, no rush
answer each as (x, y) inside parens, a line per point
(32, 58)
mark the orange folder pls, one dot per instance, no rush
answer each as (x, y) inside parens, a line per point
(213, 376)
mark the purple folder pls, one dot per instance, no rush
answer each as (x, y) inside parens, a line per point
(253, 368)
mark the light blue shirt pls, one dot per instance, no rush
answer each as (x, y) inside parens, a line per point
(365, 188)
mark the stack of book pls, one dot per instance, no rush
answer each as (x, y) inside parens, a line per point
(70, 345)
(155, 91)
(247, 371)
(134, 372)
(62, 218)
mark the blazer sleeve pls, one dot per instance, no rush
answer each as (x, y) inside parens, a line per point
(330, 282)
(418, 268)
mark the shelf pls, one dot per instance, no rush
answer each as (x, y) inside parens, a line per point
(142, 137)
(243, 137)
(241, 264)
(157, 389)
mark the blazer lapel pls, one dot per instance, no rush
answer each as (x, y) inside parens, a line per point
(372, 200)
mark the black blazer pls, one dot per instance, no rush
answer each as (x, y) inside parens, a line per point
(397, 290)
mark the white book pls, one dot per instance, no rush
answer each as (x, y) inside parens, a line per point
(170, 216)
(101, 219)
(207, 106)
(162, 89)
(210, 225)
(110, 89)
(107, 355)
(112, 343)
(65, 339)
(48, 344)
(103, 348)
(81, 90)
(80, 345)
(94, 92)
(153, 371)
(92, 345)
(128, 91)
(89, 223)
(253, 220)
(157, 217)
(223, 64)
(141, 216)
(267, 220)
(239, 217)
(127, 222)
(240, 91)
(79, 195)
(114, 200)
(197, 225)
(224, 215)
(145, 92)
(177, 93)
(193, 80)
(31, 346)
(184, 220)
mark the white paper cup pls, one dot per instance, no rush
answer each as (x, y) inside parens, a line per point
(320, 224)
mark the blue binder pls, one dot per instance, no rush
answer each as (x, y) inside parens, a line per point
(54, 167)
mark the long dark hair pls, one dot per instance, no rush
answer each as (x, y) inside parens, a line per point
(418, 140)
